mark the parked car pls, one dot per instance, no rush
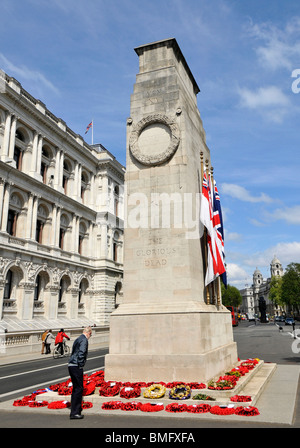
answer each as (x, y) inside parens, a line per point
(289, 321)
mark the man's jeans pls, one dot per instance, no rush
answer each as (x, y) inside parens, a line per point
(76, 374)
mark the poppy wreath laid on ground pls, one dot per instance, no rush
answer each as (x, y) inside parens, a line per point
(131, 406)
(97, 378)
(250, 363)
(24, 401)
(86, 405)
(109, 389)
(197, 385)
(176, 407)
(198, 408)
(241, 398)
(136, 384)
(88, 388)
(221, 384)
(248, 411)
(203, 397)
(130, 392)
(234, 373)
(151, 407)
(65, 390)
(222, 410)
(38, 404)
(59, 405)
(111, 405)
(180, 392)
(155, 391)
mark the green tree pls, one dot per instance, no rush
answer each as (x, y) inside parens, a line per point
(290, 293)
(275, 294)
(231, 296)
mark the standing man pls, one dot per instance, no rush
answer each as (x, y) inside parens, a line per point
(75, 366)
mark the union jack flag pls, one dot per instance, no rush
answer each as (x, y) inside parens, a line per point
(88, 127)
(218, 221)
(212, 219)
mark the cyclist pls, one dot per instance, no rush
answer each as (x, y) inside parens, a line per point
(59, 340)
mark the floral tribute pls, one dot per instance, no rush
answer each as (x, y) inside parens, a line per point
(110, 389)
(241, 398)
(198, 408)
(130, 406)
(38, 404)
(222, 410)
(130, 392)
(151, 407)
(111, 405)
(86, 405)
(180, 392)
(203, 397)
(59, 404)
(248, 411)
(155, 391)
(223, 383)
(176, 407)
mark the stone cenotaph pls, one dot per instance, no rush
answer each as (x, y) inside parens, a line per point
(166, 328)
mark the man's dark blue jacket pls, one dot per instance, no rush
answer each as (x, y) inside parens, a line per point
(79, 351)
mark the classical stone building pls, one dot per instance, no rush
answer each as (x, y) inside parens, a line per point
(61, 219)
(261, 289)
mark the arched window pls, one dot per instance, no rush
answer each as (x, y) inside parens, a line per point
(8, 285)
(66, 175)
(37, 288)
(15, 208)
(84, 184)
(20, 144)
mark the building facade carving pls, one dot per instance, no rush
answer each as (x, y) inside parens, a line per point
(260, 289)
(61, 219)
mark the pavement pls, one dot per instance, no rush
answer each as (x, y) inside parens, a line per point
(274, 389)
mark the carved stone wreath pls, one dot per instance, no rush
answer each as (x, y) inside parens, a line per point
(154, 139)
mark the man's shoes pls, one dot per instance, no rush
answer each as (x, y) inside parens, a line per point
(76, 417)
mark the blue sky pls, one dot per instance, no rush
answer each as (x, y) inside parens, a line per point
(78, 58)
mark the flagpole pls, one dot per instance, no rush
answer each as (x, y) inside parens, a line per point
(92, 131)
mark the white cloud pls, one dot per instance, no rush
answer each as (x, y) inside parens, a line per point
(238, 192)
(233, 236)
(279, 47)
(285, 252)
(263, 97)
(289, 214)
(269, 101)
(24, 73)
(237, 276)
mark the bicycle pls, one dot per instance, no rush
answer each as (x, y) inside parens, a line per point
(57, 351)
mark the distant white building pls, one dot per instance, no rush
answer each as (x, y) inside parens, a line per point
(61, 220)
(261, 289)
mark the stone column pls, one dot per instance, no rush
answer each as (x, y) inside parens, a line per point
(29, 216)
(5, 146)
(164, 330)
(12, 137)
(34, 216)
(34, 152)
(5, 208)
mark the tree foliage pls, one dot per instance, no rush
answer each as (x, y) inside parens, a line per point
(275, 294)
(290, 289)
(231, 296)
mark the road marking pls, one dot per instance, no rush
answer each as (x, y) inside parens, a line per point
(38, 370)
(38, 386)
